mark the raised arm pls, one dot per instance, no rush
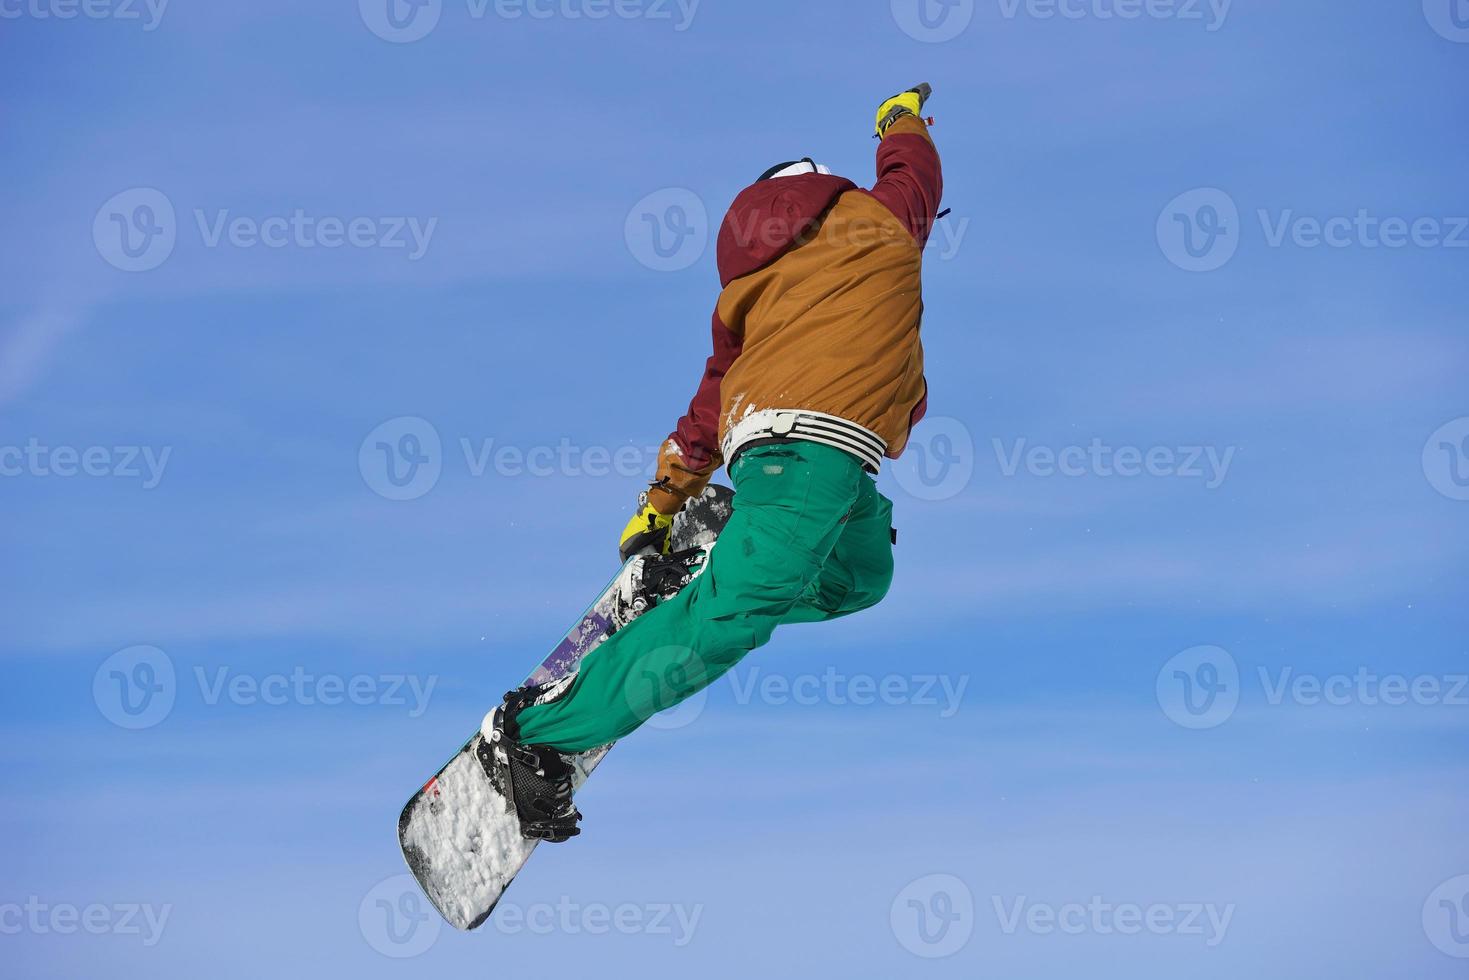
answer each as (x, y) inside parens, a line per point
(910, 179)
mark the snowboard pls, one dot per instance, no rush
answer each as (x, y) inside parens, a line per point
(459, 835)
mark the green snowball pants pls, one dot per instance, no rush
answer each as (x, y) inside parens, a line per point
(810, 540)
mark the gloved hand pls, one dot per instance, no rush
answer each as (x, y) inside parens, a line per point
(648, 533)
(909, 103)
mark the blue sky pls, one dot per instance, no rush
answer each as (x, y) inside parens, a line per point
(1135, 272)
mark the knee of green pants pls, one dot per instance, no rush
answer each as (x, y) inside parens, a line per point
(875, 586)
(874, 574)
(829, 598)
(866, 551)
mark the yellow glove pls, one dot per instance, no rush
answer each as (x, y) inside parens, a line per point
(649, 532)
(909, 103)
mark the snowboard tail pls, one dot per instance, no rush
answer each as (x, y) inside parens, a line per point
(459, 833)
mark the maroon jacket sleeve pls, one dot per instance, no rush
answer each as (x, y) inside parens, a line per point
(697, 435)
(910, 179)
(696, 438)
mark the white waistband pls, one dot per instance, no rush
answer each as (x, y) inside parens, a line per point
(791, 423)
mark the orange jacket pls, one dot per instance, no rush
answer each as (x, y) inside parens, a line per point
(820, 310)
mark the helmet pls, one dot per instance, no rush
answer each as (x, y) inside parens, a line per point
(796, 168)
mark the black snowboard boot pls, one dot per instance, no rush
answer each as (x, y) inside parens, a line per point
(649, 580)
(535, 778)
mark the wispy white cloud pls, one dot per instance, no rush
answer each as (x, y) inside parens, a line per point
(28, 348)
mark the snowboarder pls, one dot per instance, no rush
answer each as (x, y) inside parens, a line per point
(816, 375)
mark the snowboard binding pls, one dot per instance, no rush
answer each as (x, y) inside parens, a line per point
(650, 579)
(536, 779)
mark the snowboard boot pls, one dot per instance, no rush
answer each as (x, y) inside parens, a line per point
(650, 579)
(536, 779)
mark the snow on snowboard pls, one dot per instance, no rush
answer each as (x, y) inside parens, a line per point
(459, 835)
